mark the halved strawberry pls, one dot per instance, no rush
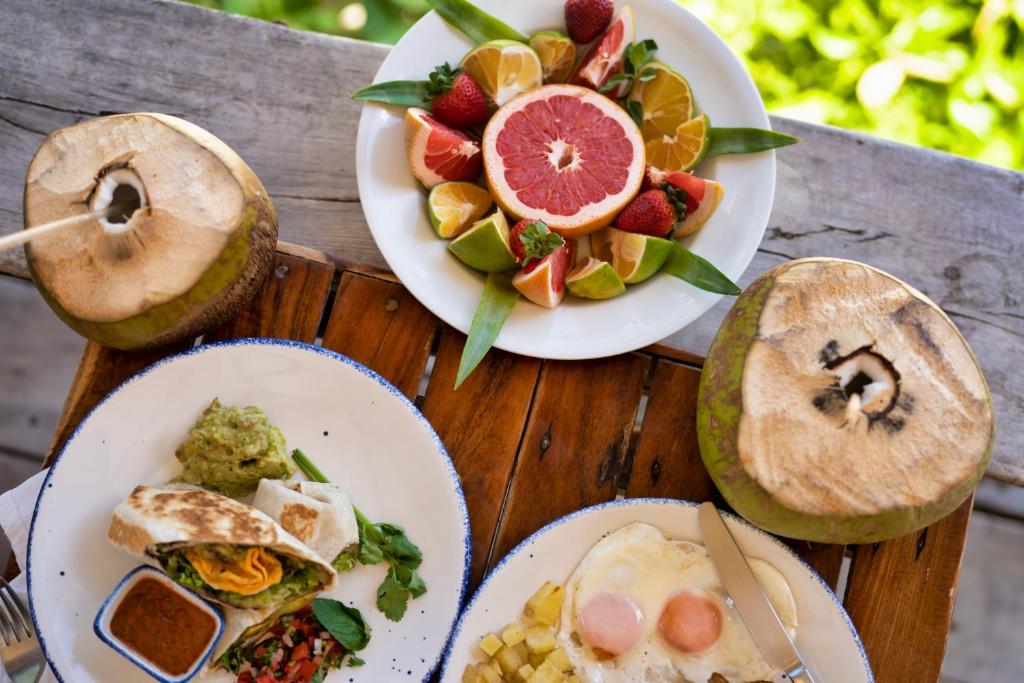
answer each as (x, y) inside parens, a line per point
(438, 153)
(702, 196)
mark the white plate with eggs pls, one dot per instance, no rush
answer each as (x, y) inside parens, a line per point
(612, 549)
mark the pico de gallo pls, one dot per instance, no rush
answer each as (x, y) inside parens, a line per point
(296, 648)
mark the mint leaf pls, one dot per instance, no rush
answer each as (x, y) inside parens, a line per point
(346, 624)
(636, 111)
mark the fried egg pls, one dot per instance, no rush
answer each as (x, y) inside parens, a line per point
(644, 607)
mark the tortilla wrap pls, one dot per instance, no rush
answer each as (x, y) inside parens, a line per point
(319, 515)
(159, 525)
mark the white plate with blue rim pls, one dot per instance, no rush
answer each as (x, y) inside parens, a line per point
(361, 431)
(825, 636)
(395, 203)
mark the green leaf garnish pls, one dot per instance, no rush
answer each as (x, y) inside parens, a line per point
(634, 67)
(378, 543)
(495, 304)
(538, 241)
(346, 624)
(636, 112)
(746, 140)
(478, 25)
(404, 93)
(698, 271)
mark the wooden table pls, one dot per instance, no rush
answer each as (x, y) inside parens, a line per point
(533, 440)
(622, 425)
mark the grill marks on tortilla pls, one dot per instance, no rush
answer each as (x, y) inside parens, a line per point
(299, 520)
(545, 143)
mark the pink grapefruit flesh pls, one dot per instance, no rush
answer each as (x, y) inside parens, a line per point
(565, 155)
(605, 57)
(543, 282)
(438, 153)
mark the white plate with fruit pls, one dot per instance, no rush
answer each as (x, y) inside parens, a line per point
(519, 159)
(626, 592)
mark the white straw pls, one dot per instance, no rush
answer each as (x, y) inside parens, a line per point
(22, 236)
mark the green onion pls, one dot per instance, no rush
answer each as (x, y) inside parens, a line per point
(405, 93)
(496, 303)
(699, 272)
(746, 140)
(478, 25)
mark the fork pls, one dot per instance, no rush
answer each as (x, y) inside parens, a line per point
(20, 652)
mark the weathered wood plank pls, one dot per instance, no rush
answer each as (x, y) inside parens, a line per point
(382, 326)
(576, 441)
(290, 117)
(481, 424)
(288, 305)
(38, 354)
(900, 597)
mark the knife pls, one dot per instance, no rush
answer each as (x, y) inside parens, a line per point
(755, 610)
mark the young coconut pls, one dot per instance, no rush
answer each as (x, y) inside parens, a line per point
(188, 238)
(838, 404)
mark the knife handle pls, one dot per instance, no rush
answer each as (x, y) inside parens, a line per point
(800, 674)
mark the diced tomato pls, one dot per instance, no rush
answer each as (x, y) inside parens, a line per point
(244, 677)
(300, 651)
(306, 671)
(265, 678)
(260, 651)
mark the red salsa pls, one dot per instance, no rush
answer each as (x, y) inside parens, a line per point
(163, 626)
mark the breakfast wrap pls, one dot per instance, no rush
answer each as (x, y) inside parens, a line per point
(224, 550)
(320, 515)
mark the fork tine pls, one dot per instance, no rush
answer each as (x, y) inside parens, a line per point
(6, 627)
(11, 614)
(26, 620)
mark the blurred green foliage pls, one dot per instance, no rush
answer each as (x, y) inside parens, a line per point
(947, 74)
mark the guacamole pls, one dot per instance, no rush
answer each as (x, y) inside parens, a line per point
(229, 450)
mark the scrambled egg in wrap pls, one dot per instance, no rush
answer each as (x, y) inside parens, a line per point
(222, 549)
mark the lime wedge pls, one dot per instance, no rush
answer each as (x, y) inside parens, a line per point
(666, 99)
(453, 207)
(485, 245)
(557, 55)
(594, 279)
(682, 151)
(504, 69)
(634, 257)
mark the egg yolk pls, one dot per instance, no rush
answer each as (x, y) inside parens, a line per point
(610, 623)
(690, 622)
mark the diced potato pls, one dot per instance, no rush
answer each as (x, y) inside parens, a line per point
(546, 604)
(524, 673)
(540, 640)
(497, 668)
(490, 644)
(573, 678)
(560, 659)
(509, 660)
(513, 635)
(535, 660)
(480, 673)
(522, 651)
(546, 673)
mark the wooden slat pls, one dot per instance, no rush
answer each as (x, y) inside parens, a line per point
(576, 442)
(382, 326)
(666, 462)
(900, 596)
(481, 424)
(288, 305)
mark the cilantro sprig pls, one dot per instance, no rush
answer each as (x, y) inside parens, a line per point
(379, 543)
(538, 241)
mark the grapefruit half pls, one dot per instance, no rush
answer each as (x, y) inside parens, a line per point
(565, 155)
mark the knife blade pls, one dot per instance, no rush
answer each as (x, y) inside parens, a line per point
(746, 593)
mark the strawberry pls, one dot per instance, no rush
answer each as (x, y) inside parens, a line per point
(654, 212)
(456, 98)
(693, 186)
(531, 241)
(587, 19)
